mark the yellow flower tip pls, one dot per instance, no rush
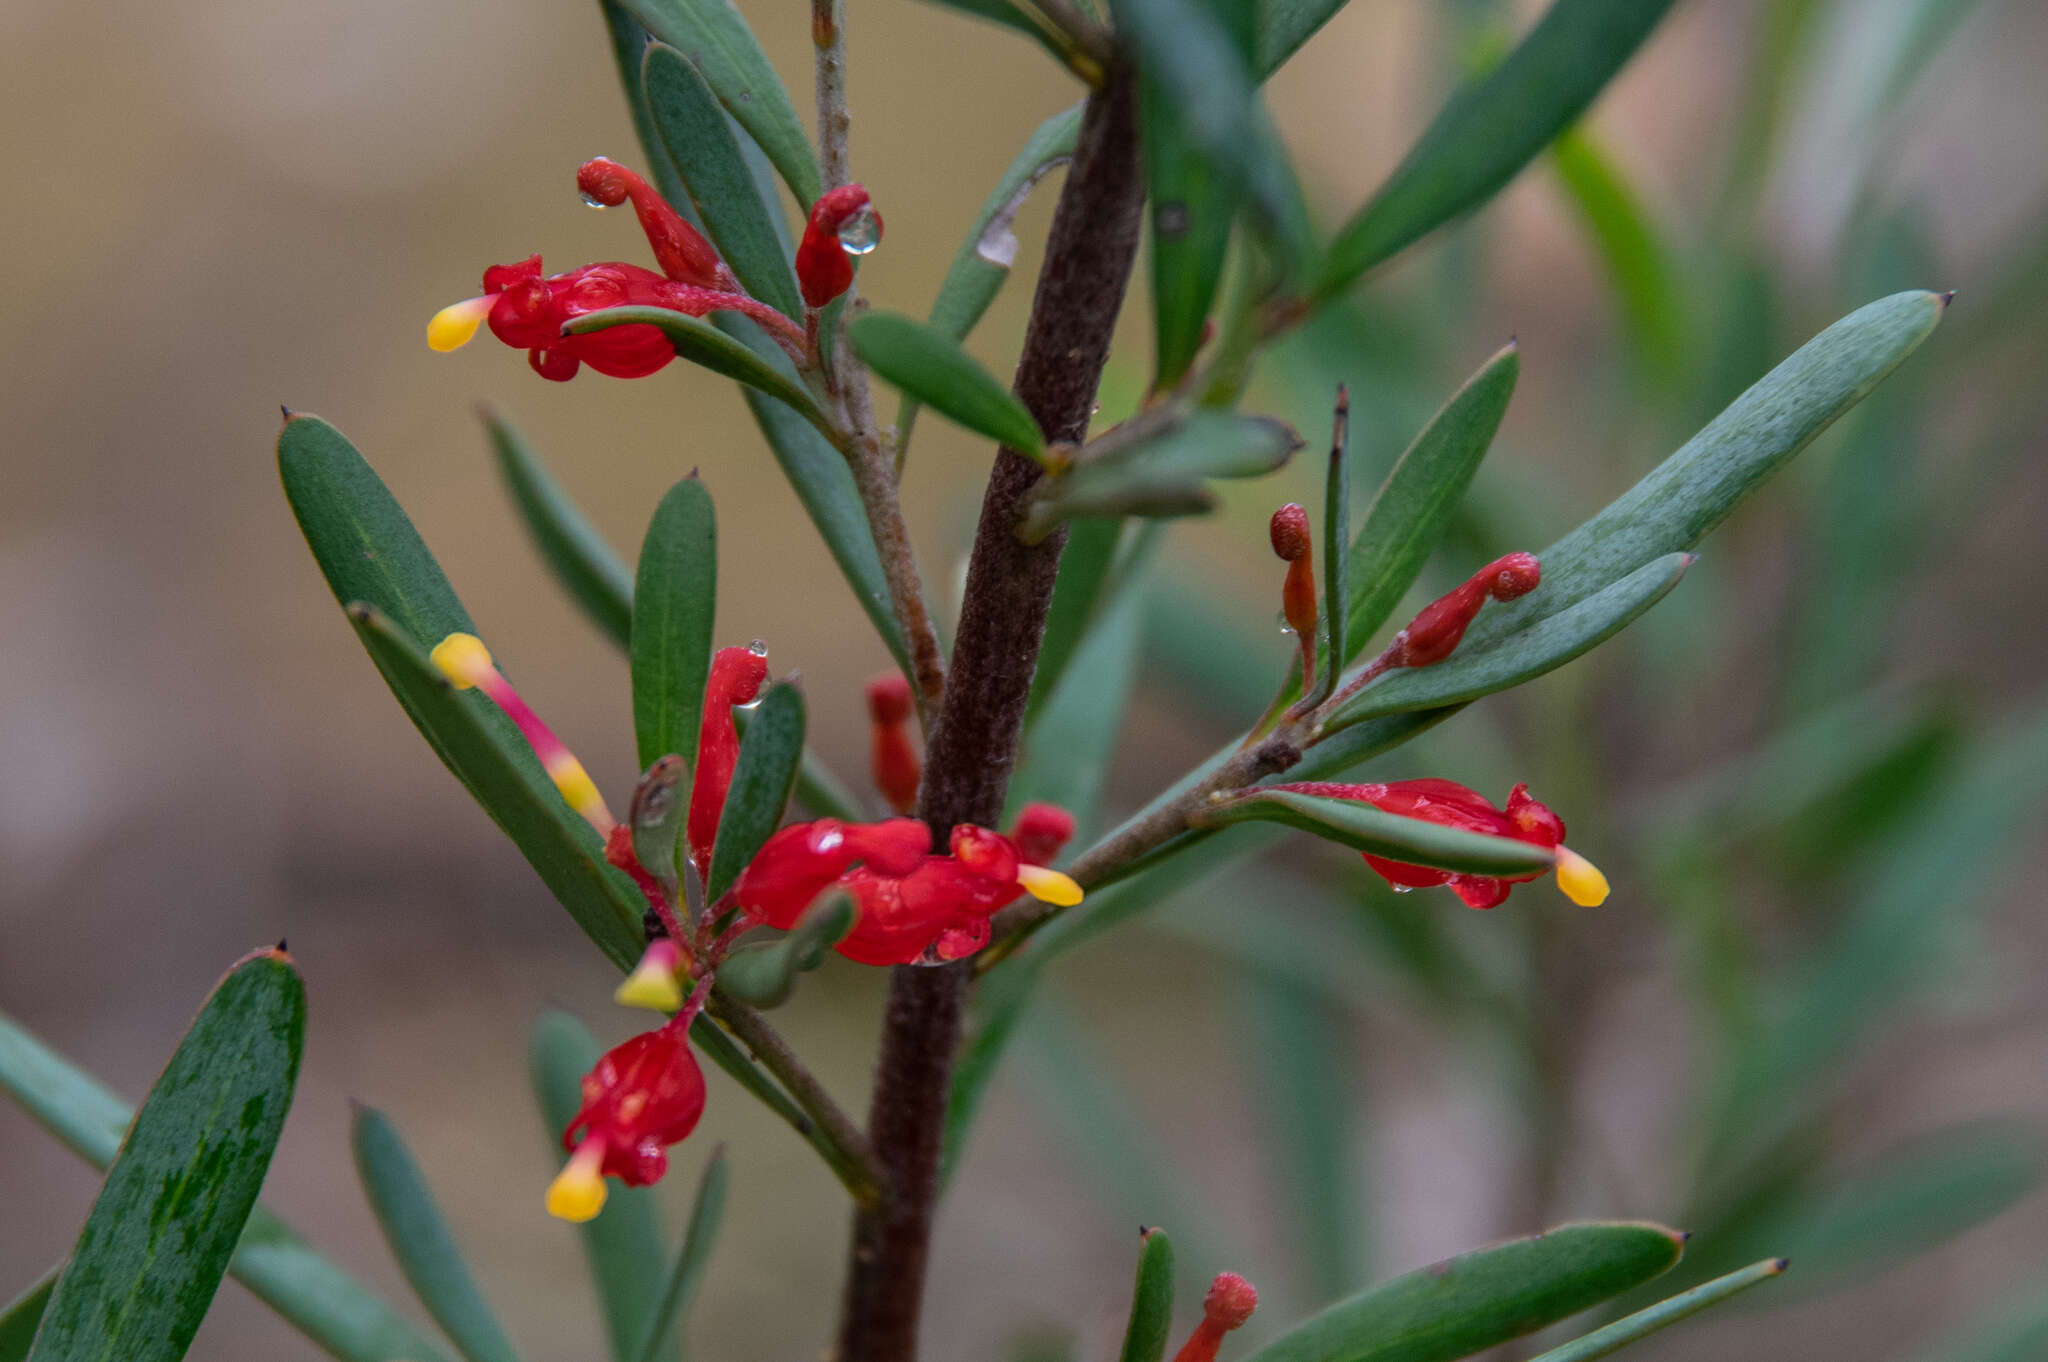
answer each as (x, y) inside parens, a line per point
(1580, 879)
(463, 659)
(455, 325)
(577, 788)
(651, 986)
(577, 1194)
(1049, 886)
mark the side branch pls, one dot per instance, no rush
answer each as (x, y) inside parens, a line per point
(973, 743)
(857, 1164)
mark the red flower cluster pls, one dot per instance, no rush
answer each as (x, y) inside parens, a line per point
(528, 311)
(912, 905)
(1449, 804)
(642, 1097)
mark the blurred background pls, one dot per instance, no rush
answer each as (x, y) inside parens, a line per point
(1810, 1021)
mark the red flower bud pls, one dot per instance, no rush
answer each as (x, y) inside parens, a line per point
(736, 677)
(893, 761)
(843, 223)
(642, 1097)
(680, 249)
(1041, 831)
(1228, 1304)
(1435, 632)
(1291, 540)
(1289, 532)
(1449, 804)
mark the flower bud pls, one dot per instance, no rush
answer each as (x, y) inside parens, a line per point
(843, 223)
(893, 762)
(680, 249)
(1228, 1304)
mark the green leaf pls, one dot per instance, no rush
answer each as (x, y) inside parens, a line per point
(1421, 493)
(1627, 242)
(716, 39)
(1151, 1322)
(1199, 73)
(1493, 128)
(421, 1242)
(1304, 1100)
(1159, 467)
(761, 784)
(1336, 549)
(1678, 502)
(983, 261)
(1470, 1303)
(675, 600)
(702, 343)
(1547, 644)
(701, 145)
(623, 1244)
(629, 49)
(1082, 717)
(559, 845)
(765, 975)
(665, 1323)
(311, 1294)
(1023, 18)
(1076, 594)
(1360, 826)
(1283, 26)
(824, 485)
(181, 1187)
(570, 545)
(19, 1320)
(931, 366)
(1618, 1335)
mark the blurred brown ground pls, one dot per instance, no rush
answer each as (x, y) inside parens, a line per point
(220, 205)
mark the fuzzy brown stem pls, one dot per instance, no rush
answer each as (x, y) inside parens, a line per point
(973, 745)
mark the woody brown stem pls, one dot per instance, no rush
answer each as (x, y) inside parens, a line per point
(973, 744)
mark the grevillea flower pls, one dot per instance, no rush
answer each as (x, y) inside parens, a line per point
(909, 903)
(1226, 1306)
(1451, 805)
(735, 679)
(466, 662)
(528, 311)
(892, 760)
(642, 1097)
(843, 223)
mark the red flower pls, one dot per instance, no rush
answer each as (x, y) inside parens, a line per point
(1451, 805)
(1226, 1306)
(843, 223)
(802, 861)
(735, 679)
(642, 1097)
(527, 311)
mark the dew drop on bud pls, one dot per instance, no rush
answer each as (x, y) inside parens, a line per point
(861, 232)
(1402, 888)
(1285, 627)
(759, 647)
(593, 201)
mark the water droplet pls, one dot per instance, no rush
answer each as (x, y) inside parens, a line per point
(861, 232)
(1285, 627)
(1402, 888)
(759, 647)
(593, 201)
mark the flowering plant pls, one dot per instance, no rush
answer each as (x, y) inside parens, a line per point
(712, 897)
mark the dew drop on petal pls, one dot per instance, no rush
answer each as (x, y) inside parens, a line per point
(1402, 888)
(759, 647)
(593, 201)
(861, 232)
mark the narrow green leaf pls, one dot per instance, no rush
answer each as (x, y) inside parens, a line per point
(702, 343)
(702, 147)
(1283, 26)
(1634, 1328)
(182, 1186)
(1493, 128)
(675, 601)
(1413, 841)
(712, 35)
(1076, 593)
(1083, 716)
(761, 785)
(818, 786)
(824, 484)
(623, 1244)
(1198, 70)
(665, 1323)
(1336, 548)
(19, 1320)
(1542, 647)
(1628, 244)
(1422, 491)
(1160, 468)
(1304, 1098)
(931, 366)
(765, 975)
(570, 545)
(420, 1240)
(1024, 17)
(1678, 502)
(983, 261)
(629, 50)
(311, 1294)
(559, 845)
(1470, 1303)
(1151, 1322)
